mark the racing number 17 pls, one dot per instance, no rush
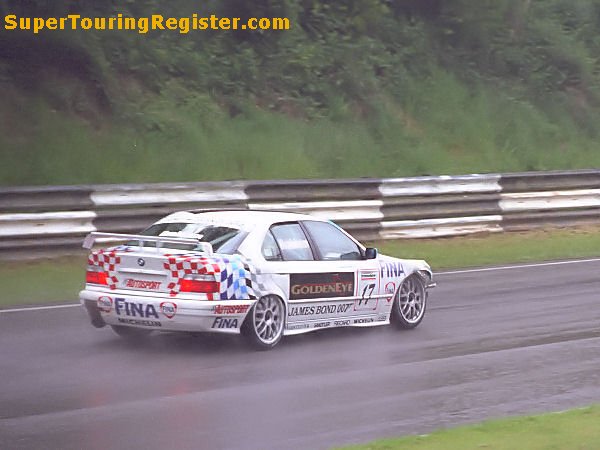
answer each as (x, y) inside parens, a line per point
(367, 293)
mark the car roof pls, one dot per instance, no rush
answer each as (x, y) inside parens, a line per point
(243, 219)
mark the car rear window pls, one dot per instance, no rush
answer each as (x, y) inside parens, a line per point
(223, 239)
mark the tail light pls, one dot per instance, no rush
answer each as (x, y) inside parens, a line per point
(203, 284)
(95, 275)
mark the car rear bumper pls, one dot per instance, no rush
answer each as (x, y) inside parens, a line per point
(164, 313)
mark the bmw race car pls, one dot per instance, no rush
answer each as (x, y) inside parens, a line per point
(260, 274)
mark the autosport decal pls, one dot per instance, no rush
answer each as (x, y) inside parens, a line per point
(320, 285)
(230, 309)
(142, 284)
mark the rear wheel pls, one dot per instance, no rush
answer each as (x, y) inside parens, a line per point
(263, 327)
(409, 304)
(130, 333)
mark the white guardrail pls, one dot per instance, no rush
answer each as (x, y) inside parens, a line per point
(37, 221)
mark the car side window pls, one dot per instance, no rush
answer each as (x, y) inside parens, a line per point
(331, 242)
(270, 249)
(292, 242)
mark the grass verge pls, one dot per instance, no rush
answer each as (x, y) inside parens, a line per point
(56, 280)
(501, 248)
(59, 280)
(418, 135)
(575, 429)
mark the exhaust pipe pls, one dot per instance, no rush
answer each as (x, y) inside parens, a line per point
(95, 317)
(98, 322)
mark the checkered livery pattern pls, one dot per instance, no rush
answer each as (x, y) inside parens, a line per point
(237, 279)
(256, 278)
(107, 260)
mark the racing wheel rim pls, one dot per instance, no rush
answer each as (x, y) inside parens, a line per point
(269, 319)
(411, 301)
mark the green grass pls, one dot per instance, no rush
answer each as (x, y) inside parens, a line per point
(483, 250)
(576, 429)
(59, 280)
(183, 136)
(56, 280)
(378, 89)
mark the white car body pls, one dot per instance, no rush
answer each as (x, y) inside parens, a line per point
(142, 286)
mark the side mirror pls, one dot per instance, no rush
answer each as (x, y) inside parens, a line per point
(370, 253)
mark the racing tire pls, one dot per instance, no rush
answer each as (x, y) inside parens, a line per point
(265, 322)
(410, 303)
(130, 333)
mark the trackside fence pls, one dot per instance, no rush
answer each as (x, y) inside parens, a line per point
(38, 221)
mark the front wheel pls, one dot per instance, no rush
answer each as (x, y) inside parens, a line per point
(263, 327)
(409, 304)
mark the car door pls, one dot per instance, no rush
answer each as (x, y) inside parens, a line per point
(322, 283)
(333, 249)
(289, 254)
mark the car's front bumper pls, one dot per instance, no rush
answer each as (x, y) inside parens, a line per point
(164, 313)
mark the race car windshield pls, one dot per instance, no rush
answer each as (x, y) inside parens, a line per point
(222, 239)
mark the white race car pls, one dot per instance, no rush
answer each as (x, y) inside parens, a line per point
(258, 273)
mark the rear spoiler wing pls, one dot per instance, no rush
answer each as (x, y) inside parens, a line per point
(94, 237)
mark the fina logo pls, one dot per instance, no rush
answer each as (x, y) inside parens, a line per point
(141, 262)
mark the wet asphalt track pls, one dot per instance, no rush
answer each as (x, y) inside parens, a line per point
(492, 344)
